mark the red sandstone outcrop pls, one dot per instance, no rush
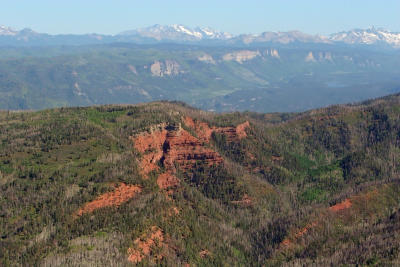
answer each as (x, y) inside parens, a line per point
(120, 195)
(241, 129)
(148, 141)
(167, 180)
(346, 204)
(145, 245)
(341, 206)
(173, 211)
(171, 147)
(185, 150)
(151, 145)
(287, 242)
(204, 132)
(204, 253)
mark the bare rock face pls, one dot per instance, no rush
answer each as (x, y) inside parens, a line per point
(167, 180)
(132, 69)
(150, 144)
(241, 56)
(121, 194)
(166, 68)
(310, 57)
(185, 150)
(170, 147)
(206, 58)
(145, 245)
(173, 146)
(204, 132)
(272, 53)
(241, 130)
(328, 56)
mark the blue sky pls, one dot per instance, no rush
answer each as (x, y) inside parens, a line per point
(250, 16)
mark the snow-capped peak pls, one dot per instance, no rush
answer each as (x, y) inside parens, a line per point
(178, 32)
(368, 36)
(185, 30)
(7, 31)
(209, 33)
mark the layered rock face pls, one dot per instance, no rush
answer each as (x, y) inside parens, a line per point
(184, 150)
(310, 57)
(204, 132)
(173, 146)
(241, 56)
(206, 58)
(151, 145)
(166, 68)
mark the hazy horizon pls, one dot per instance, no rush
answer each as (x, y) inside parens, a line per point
(104, 17)
(194, 27)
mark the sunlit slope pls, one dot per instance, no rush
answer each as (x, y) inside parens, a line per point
(163, 183)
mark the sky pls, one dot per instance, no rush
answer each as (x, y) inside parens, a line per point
(249, 16)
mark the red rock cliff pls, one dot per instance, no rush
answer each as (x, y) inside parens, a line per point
(204, 132)
(173, 146)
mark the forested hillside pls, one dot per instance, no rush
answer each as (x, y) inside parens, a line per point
(164, 183)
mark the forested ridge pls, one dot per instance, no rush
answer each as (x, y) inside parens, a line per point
(166, 184)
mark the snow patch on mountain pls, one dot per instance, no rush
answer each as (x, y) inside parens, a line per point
(177, 32)
(7, 31)
(369, 36)
(182, 34)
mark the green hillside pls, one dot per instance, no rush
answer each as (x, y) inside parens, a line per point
(166, 184)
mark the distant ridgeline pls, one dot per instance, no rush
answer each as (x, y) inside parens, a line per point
(166, 184)
(267, 77)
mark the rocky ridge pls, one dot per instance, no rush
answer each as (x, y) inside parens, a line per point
(183, 34)
(241, 56)
(165, 68)
(171, 146)
(369, 37)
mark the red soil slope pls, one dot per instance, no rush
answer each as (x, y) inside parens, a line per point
(346, 204)
(167, 180)
(120, 195)
(144, 245)
(341, 206)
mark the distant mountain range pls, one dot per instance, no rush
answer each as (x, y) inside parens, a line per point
(199, 35)
(178, 32)
(212, 70)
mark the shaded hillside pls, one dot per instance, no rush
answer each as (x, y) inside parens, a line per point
(223, 78)
(163, 183)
